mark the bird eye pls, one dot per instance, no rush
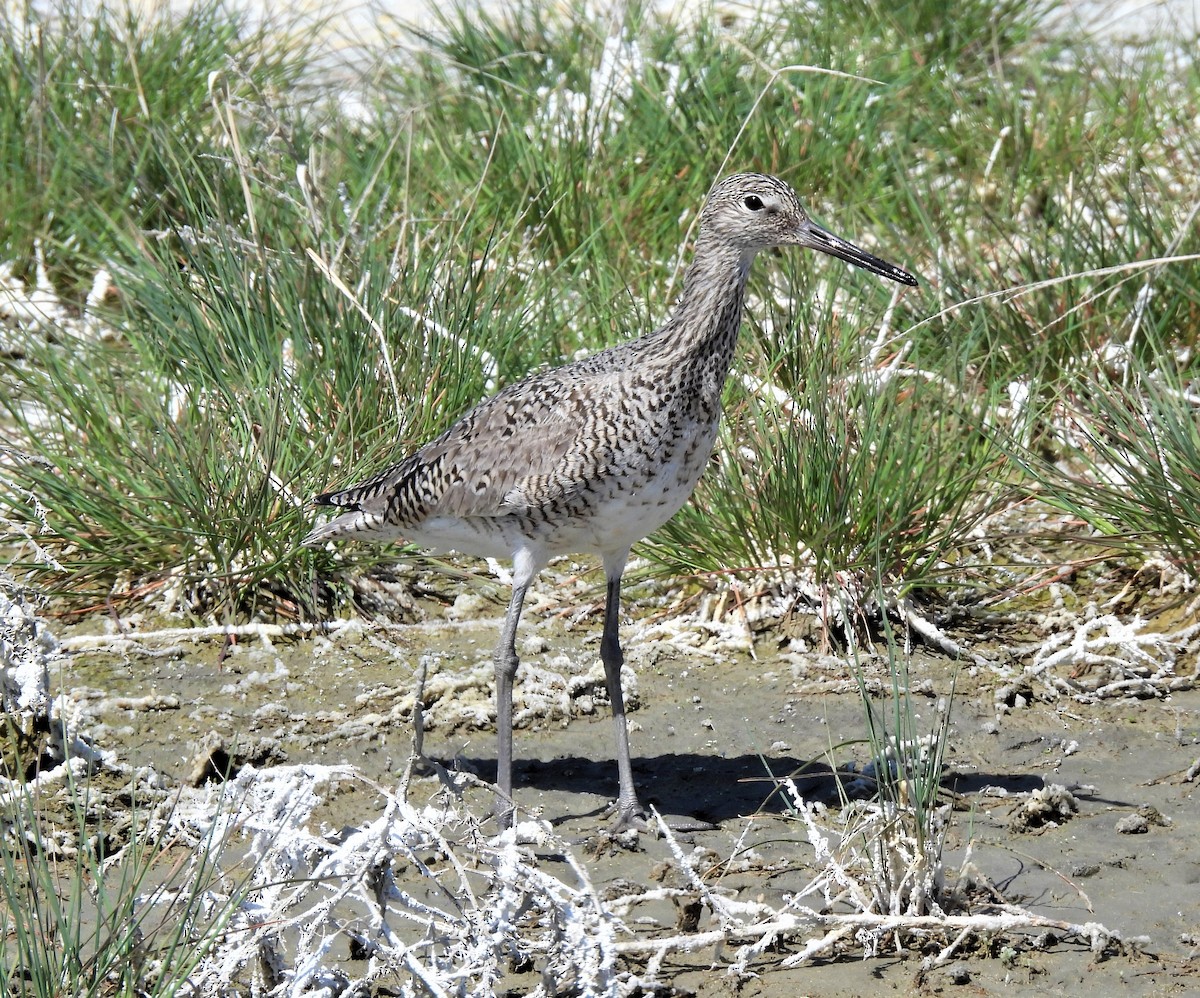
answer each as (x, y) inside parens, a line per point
(753, 202)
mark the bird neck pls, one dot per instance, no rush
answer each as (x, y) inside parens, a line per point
(708, 314)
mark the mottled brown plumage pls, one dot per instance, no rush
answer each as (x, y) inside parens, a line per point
(594, 455)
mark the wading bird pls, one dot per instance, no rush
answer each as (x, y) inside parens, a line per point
(594, 455)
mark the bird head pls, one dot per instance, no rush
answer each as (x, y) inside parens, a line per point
(753, 212)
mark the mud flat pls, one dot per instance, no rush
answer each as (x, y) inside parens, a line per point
(1076, 809)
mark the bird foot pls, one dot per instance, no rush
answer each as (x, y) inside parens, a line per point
(631, 822)
(621, 834)
(636, 819)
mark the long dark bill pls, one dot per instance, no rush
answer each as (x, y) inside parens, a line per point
(815, 237)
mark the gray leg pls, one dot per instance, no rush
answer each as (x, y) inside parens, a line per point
(629, 809)
(506, 668)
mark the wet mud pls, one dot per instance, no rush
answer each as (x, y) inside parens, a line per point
(1078, 811)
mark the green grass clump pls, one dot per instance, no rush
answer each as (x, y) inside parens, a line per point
(240, 367)
(87, 94)
(904, 834)
(94, 904)
(879, 473)
(307, 289)
(1129, 465)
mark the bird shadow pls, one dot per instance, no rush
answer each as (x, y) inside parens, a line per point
(713, 789)
(707, 788)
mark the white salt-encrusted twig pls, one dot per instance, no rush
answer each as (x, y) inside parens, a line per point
(786, 925)
(127, 639)
(1118, 658)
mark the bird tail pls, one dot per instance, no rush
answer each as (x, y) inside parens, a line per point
(362, 506)
(352, 520)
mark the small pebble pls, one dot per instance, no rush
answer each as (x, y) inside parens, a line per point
(958, 974)
(466, 605)
(1133, 824)
(1044, 940)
